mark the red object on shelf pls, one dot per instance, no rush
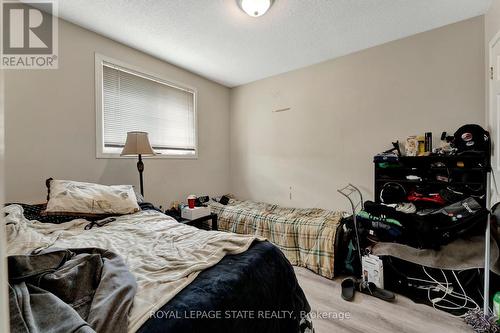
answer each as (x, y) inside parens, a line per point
(191, 199)
(433, 198)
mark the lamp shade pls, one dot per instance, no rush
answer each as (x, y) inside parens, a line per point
(137, 144)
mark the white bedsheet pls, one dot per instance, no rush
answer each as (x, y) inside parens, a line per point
(164, 255)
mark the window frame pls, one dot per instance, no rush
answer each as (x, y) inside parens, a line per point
(135, 70)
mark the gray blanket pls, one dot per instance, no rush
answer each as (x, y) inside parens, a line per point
(78, 290)
(458, 255)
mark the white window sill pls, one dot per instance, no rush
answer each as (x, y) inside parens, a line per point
(184, 157)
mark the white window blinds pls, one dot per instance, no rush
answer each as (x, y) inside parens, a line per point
(135, 102)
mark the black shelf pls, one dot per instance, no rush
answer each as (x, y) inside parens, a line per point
(475, 168)
(423, 182)
(479, 169)
(437, 158)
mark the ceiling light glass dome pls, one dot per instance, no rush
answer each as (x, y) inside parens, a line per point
(255, 8)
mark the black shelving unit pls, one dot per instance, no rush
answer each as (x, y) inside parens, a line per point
(470, 170)
(467, 170)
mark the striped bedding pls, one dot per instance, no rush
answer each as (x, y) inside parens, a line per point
(305, 236)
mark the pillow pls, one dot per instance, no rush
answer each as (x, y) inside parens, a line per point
(66, 196)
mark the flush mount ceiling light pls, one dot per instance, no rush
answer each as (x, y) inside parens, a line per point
(255, 8)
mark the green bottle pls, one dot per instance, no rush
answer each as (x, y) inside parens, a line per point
(496, 306)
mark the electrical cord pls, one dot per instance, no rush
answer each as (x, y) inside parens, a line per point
(424, 280)
(448, 292)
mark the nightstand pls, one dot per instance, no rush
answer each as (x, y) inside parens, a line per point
(198, 223)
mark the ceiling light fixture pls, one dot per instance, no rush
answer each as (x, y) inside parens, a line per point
(255, 8)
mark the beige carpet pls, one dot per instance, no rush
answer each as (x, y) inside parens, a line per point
(369, 314)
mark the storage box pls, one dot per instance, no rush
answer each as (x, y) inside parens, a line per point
(194, 213)
(373, 270)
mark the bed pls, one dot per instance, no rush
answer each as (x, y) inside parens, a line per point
(305, 236)
(212, 281)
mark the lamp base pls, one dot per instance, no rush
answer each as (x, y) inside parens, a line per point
(140, 168)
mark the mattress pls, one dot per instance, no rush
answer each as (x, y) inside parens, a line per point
(305, 236)
(167, 258)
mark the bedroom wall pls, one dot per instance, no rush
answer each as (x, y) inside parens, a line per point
(50, 127)
(345, 110)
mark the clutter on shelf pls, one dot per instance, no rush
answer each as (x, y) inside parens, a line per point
(430, 206)
(468, 139)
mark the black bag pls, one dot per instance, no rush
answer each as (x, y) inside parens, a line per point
(462, 219)
(347, 261)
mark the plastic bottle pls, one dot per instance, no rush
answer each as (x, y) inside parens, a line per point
(421, 145)
(496, 305)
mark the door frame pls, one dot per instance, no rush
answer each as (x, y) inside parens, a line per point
(4, 299)
(490, 110)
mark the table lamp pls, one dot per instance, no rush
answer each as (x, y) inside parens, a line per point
(138, 144)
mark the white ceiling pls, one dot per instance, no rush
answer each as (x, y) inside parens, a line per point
(215, 39)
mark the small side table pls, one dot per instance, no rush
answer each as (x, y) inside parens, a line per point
(199, 221)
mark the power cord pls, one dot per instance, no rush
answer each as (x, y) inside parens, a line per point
(449, 292)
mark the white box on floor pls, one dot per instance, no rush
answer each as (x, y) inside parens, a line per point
(373, 270)
(195, 213)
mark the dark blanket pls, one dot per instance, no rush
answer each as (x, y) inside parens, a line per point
(255, 291)
(34, 212)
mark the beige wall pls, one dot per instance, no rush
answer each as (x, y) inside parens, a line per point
(50, 127)
(342, 112)
(345, 110)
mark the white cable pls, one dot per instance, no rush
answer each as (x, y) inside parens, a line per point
(444, 307)
(454, 308)
(448, 292)
(463, 289)
(423, 280)
(460, 285)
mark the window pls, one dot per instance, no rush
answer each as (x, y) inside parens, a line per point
(130, 100)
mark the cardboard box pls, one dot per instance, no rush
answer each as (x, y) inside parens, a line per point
(195, 213)
(373, 270)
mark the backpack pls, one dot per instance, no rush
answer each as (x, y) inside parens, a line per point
(347, 261)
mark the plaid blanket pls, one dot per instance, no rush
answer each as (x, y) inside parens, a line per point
(305, 236)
